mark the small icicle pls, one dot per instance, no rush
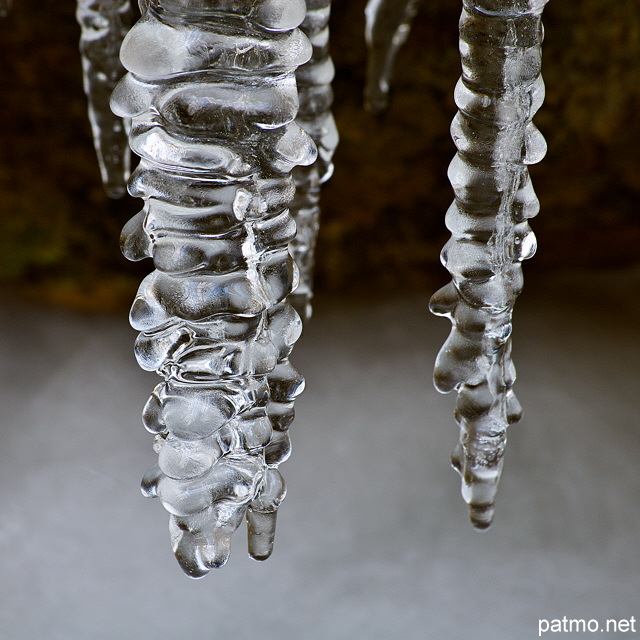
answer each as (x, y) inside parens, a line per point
(387, 27)
(314, 116)
(104, 24)
(499, 92)
(212, 95)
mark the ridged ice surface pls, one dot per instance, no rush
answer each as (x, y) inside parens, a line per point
(387, 27)
(211, 94)
(314, 116)
(104, 24)
(499, 92)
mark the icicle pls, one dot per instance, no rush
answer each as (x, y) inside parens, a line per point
(104, 24)
(211, 92)
(314, 116)
(499, 92)
(387, 27)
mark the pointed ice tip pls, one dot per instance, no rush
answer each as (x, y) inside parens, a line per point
(148, 491)
(115, 192)
(376, 100)
(444, 301)
(189, 557)
(481, 516)
(149, 483)
(262, 529)
(444, 381)
(191, 569)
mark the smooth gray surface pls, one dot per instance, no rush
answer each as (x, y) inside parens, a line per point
(373, 539)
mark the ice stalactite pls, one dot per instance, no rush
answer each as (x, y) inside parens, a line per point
(499, 92)
(387, 27)
(104, 24)
(211, 92)
(314, 116)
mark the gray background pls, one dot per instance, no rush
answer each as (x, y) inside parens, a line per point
(373, 538)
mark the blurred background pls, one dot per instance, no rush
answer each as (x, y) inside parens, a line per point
(383, 211)
(373, 540)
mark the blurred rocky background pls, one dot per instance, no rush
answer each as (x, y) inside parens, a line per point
(383, 210)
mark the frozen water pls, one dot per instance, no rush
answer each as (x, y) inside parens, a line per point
(499, 92)
(387, 27)
(211, 94)
(498, 95)
(314, 116)
(104, 24)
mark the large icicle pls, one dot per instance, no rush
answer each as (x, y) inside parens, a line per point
(212, 95)
(314, 116)
(387, 27)
(104, 24)
(499, 92)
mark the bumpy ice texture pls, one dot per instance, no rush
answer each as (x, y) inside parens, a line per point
(387, 27)
(314, 116)
(211, 93)
(499, 92)
(104, 24)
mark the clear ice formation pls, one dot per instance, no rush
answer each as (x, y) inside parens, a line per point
(387, 27)
(211, 94)
(499, 92)
(314, 116)
(104, 24)
(497, 96)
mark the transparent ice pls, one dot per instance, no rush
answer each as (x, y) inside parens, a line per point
(387, 27)
(104, 24)
(497, 96)
(212, 97)
(314, 116)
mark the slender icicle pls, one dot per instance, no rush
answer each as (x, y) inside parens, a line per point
(387, 27)
(314, 116)
(499, 92)
(104, 24)
(212, 95)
